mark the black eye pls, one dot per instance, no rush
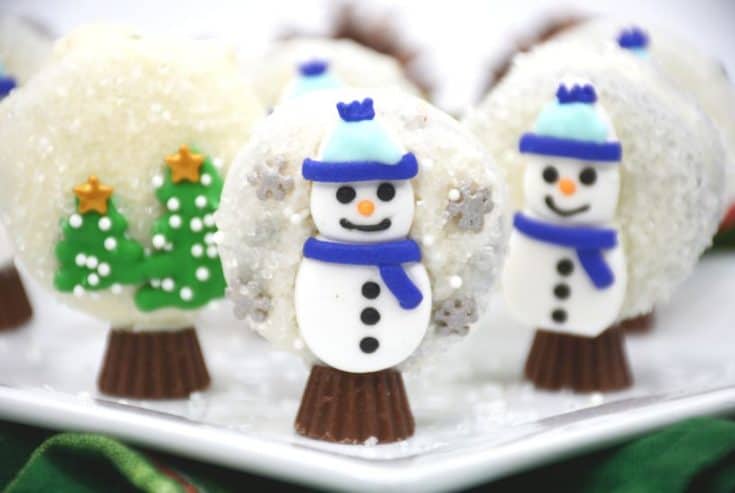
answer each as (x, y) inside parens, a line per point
(550, 174)
(346, 194)
(386, 192)
(588, 176)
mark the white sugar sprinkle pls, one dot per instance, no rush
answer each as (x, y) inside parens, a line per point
(200, 201)
(196, 224)
(110, 243)
(175, 221)
(168, 284)
(80, 260)
(75, 221)
(173, 204)
(197, 250)
(104, 224)
(186, 294)
(159, 241)
(104, 269)
(202, 274)
(92, 262)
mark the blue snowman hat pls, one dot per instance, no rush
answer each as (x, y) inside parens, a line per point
(7, 83)
(573, 127)
(313, 75)
(359, 149)
(634, 39)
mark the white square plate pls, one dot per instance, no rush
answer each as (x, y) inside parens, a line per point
(476, 419)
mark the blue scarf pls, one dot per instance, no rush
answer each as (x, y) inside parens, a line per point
(387, 257)
(588, 243)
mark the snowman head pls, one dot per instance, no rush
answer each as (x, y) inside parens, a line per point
(572, 174)
(361, 190)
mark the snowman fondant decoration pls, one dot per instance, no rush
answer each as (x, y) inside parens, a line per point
(362, 296)
(312, 75)
(566, 268)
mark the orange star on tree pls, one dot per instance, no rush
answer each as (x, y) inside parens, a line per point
(93, 196)
(185, 165)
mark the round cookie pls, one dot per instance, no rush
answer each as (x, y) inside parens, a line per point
(671, 172)
(288, 69)
(375, 229)
(108, 150)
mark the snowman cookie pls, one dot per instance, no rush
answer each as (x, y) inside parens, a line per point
(114, 161)
(658, 204)
(296, 67)
(376, 226)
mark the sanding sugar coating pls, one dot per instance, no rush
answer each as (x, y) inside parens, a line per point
(672, 171)
(690, 70)
(114, 104)
(261, 239)
(24, 48)
(351, 64)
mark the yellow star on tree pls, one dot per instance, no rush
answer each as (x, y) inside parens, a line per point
(93, 196)
(185, 165)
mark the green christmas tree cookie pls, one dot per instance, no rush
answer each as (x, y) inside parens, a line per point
(95, 252)
(184, 271)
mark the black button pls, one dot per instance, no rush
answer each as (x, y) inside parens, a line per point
(370, 316)
(371, 290)
(565, 267)
(369, 345)
(562, 291)
(559, 315)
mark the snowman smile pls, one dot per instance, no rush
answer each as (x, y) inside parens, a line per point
(564, 212)
(381, 226)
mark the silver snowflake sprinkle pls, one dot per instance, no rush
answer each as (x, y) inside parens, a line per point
(251, 301)
(455, 315)
(270, 180)
(469, 208)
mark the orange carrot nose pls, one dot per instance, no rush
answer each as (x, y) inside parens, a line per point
(567, 186)
(366, 208)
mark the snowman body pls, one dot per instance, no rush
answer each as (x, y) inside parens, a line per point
(351, 321)
(546, 286)
(362, 297)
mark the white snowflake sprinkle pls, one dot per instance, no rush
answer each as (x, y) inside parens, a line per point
(159, 241)
(173, 204)
(110, 244)
(157, 181)
(80, 260)
(75, 221)
(197, 250)
(175, 221)
(93, 279)
(200, 201)
(92, 262)
(186, 293)
(168, 284)
(212, 251)
(104, 223)
(104, 269)
(116, 288)
(202, 274)
(196, 224)
(78, 291)
(206, 179)
(209, 220)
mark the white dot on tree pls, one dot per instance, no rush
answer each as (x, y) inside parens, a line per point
(80, 260)
(158, 181)
(93, 279)
(212, 251)
(104, 224)
(209, 220)
(159, 241)
(175, 221)
(200, 201)
(173, 204)
(104, 269)
(206, 179)
(156, 283)
(78, 291)
(218, 162)
(197, 250)
(168, 284)
(92, 262)
(110, 243)
(209, 238)
(202, 274)
(75, 221)
(196, 224)
(186, 294)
